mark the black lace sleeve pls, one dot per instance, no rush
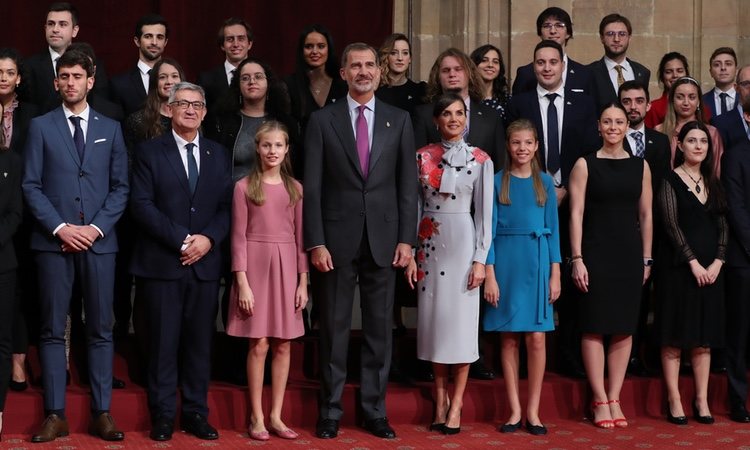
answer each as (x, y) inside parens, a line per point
(721, 249)
(671, 220)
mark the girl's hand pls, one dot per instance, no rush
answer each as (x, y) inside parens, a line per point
(300, 297)
(476, 276)
(491, 291)
(411, 273)
(580, 275)
(246, 300)
(554, 286)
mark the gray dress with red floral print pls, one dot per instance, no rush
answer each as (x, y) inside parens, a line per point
(451, 238)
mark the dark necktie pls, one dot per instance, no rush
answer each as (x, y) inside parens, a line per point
(553, 140)
(640, 149)
(192, 167)
(78, 136)
(723, 96)
(363, 141)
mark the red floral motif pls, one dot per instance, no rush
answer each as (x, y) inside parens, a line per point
(429, 162)
(480, 156)
(434, 177)
(420, 275)
(420, 256)
(427, 228)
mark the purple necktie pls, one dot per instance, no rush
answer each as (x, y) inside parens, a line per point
(363, 141)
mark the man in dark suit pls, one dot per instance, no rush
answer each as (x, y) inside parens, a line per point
(654, 148)
(60, 28)
(76, 187)
(181, 202)
(723, 69)
(129, 89)
(360, 218)
(566, 125)
(554, 24)
(732, 125)
(615, 68)
(735, 175)
(235, 38)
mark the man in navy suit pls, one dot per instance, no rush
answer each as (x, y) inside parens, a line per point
(76, 187)
(615, 68)
(130, 89)
(554, 24)
(723, 68)
(732, 125)
(235, 38)
(181, 202)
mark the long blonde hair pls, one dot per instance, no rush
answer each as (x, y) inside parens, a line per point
(536, 171)
(255, 177)
(670, 119)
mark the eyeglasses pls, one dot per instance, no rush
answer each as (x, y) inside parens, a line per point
(744, 84)
(611, 34)
(184, 104)
(253, 77)
(556, 25)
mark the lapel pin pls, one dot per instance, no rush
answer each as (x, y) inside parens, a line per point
(650, 141)
(96, 117)
(208, 152)
(571, 71)
(5, 174)
(568, 103)
(387, 124)
(333, 100)
(479, 113)
(408, 97)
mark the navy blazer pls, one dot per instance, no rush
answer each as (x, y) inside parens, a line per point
(166, 213)
(579, 135)
(60, 188)
(731, 128)
(603, 91)
(735, 175)
(42, 80)
(486, 130)
(126, 89)
(214, 82)
(578, 79)
(708, 103)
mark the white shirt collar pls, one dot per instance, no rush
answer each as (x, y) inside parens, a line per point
(611, 64)
(83, 115)
(731, 92)
(541, 92)
(143, 67)
(353, 103)
(642, 129)
(53, 54)
(181, 143)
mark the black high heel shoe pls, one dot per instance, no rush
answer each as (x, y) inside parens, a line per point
(435, 426)
(451, 430)
(510, 427)
(681, 420)
(706, 420)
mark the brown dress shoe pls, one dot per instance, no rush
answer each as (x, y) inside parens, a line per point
(52, 428)
(104, 427)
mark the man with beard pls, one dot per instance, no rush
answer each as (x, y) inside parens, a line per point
(129, 89)
(732, 125)
(360, 223)
(615, 68)
(235, 38)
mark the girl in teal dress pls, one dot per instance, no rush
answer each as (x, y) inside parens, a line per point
(523, 268)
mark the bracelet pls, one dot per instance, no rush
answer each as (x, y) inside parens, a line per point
(575, 258)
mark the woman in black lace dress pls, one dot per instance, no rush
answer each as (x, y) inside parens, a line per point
(491, 68)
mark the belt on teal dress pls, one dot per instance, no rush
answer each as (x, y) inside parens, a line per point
(543, 307)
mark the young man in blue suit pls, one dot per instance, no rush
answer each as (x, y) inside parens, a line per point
(76, 187)
(181, 202)
(723, 68)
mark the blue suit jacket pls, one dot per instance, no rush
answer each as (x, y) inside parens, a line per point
(731, 128)
(708, 103)
(578, 78)
(166, 213)
(579, 135)
(60, 188)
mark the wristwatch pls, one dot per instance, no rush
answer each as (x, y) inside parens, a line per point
(648, 262)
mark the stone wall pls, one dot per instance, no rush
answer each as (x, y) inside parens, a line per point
(692, 27)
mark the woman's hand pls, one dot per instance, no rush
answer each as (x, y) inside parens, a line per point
(646, 274)
(713, 270)
(700, 273)
(554, 286)
(580, 275)
(476, 276)
(246, 300)
(411, 273)
(300, 297)
(491, 291)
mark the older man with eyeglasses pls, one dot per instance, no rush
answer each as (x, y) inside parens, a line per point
(181, 202)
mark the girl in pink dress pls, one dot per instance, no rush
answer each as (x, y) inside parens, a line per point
(270, 272)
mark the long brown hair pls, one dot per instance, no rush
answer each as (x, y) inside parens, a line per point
(383, 53)
(670, 119)
(255, 177)
(152, 123)
(536, 171)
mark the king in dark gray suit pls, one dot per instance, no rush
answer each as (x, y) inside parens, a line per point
(76, 187)
(360, 218)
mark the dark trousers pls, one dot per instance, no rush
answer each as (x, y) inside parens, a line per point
(181, 316)
(8, 306)
(737, 332)
(95, 275)
(376, 287)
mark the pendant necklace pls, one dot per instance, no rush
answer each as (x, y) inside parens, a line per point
(697, 187)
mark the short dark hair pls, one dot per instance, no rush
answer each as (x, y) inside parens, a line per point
(548, 44)
(671, 56)
(358, 47)
(632, 85)
(85, 48)
(62, 7)
(76, 58)
(614, 18)
(723, 51)
(559, 14)
(151, 19)
(233, 21)
(445, 100)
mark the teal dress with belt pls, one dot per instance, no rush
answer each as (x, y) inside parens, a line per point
(525, 243)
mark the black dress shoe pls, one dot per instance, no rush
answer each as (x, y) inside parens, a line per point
(117, 383)
(681, 420)
(436, 427)
(705, 420)
(161, 429)
(18, 386)
(198, 426)
(536, 430)
(478, 371)
(380, 428)
(327, 428)
(739, 414)
(510, 427)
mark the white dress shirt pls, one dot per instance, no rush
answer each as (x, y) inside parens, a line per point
(543, 106)
(143, 68)
(631, 140)
(731, 98)
(181, 143)
(228, 69)
(627, 71)
(54, 56)
(369, 116)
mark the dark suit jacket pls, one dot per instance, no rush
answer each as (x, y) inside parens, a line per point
(578, 79)
(214, 82)
(735, 174)
(126, 89)
(166, 213)
(579, 135)
(97, 102)
(60, 188)
(658, 156)
(708, 103)
(604, 92)
(486, 130)
(731, 128)
(21, 119)
(10, 207)
(340, 202)
(42, 76)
